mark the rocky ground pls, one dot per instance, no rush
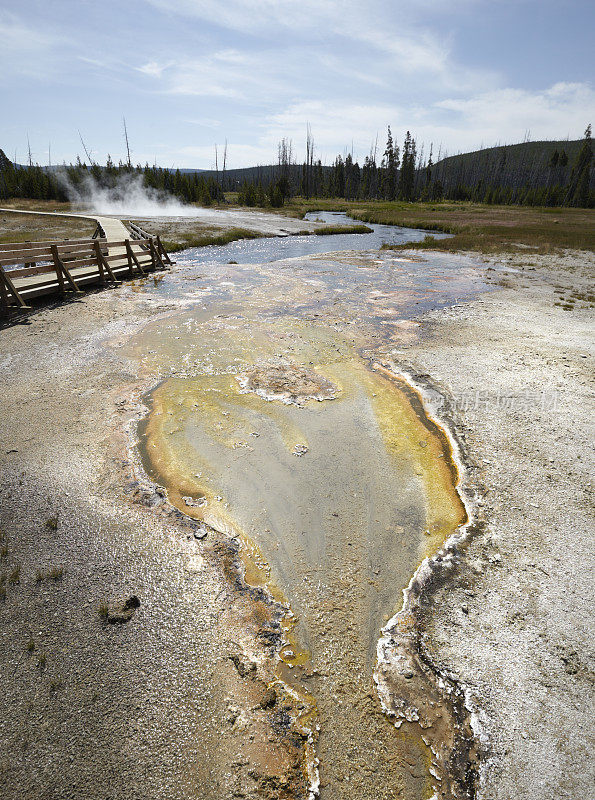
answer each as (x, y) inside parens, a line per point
(514, 624)
(117, 710)
(173, 700)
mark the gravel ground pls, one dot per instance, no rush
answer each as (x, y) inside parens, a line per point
(514, 625)
(157, 707)
(118, 711)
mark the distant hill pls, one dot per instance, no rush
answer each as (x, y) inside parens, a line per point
(234, 178)
(510, 166)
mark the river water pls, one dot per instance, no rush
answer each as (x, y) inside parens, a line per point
(270, 422)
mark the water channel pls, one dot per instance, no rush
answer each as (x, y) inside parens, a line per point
(270, 422)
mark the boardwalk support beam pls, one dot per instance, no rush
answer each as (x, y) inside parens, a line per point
(156, 256)
(62, 272)
(162, 250)
(6, 287)
(132, 259)
(103, 265)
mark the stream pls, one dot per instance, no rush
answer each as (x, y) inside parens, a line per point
(269, 421)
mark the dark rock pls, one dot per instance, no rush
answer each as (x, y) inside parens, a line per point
(122, 610)
(269, 699)
(243, 664)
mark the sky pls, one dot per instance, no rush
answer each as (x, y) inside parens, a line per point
(190, 74)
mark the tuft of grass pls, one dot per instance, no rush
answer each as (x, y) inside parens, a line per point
(52, 523)
(56, 684)
(210, 237)
(30, 646)
(330, 230)
(103, 609)
(39, 576)
(42, 660)
(56, 573)
(4, 551)
(15, 576)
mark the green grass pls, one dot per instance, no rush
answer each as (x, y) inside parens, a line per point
(474, 226)
(207, 238)
(330, 230)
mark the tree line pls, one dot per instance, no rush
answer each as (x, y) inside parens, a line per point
(531, 173)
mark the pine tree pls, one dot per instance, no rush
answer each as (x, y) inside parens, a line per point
(389, 168)
(408, 168)
(580, 177)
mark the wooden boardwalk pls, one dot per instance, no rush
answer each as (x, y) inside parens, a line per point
(33, 269)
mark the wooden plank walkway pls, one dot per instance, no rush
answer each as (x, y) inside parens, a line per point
(32, 269)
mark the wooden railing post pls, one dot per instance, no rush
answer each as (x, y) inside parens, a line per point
(129, 257)
(153, 253)
(157, 255)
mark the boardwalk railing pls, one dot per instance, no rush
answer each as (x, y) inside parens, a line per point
(63, 267)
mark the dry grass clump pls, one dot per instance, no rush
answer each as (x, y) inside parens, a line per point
(54, 574)
(15, 576)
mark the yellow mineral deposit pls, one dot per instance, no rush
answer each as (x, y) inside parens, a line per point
(228, 409)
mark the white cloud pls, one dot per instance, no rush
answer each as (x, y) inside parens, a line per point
(26, 50)
(225, 73)
(153, 69)
(501, 116)
(507, 114)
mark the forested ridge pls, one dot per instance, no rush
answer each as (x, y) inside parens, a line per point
(545, 173)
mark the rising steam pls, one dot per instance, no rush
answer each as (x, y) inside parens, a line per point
(127, 197)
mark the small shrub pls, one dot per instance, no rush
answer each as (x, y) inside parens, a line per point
(42, 661)
(56, 684)
(39, 576)
(30, 647)
(52, 523)
(3, 551)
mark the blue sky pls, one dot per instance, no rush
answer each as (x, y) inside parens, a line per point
(188, 74)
